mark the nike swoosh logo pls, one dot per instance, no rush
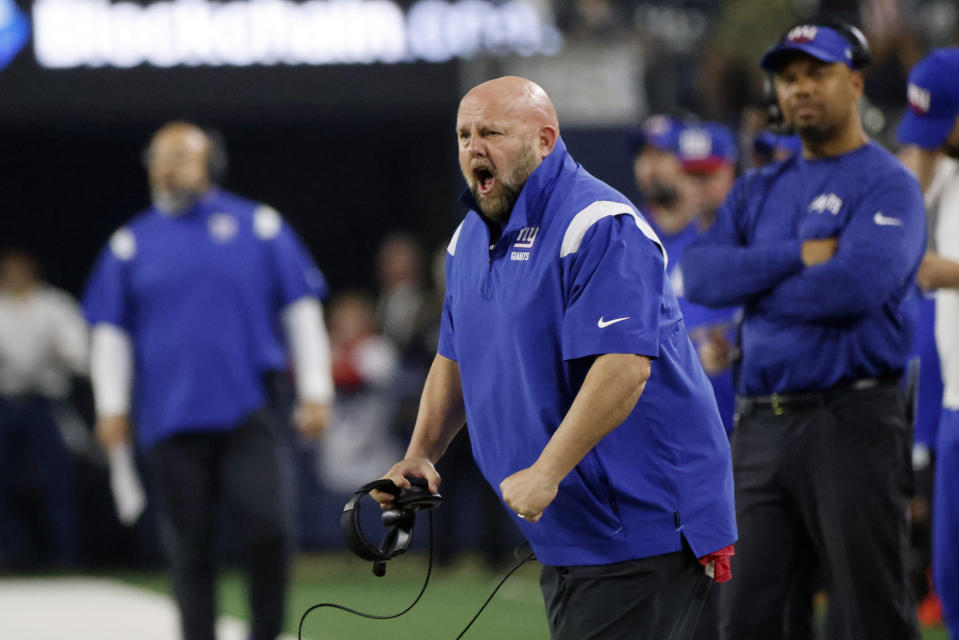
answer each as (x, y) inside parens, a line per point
(886, 221)
(602, 324)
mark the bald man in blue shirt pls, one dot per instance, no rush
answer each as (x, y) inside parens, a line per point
(563, 349)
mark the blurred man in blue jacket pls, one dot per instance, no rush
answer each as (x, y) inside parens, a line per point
(190, 303)
(821, 250)
(708, 155)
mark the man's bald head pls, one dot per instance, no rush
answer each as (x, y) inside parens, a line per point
(184, 134)
(518, 97)
(178, 165)
(505, 128)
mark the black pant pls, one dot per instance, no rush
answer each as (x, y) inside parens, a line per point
(656, 598)
(822, 487)
(245, 469)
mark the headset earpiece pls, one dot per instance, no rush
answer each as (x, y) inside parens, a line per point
(859, 46)
(775, 120)
(399, 520)
(217, 161)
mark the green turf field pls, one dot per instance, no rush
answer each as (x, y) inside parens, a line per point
(453, 596)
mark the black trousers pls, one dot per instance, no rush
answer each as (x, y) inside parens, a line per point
(246, 469)
(656, 598)
(822, 488)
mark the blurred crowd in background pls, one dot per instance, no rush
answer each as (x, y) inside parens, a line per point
(685, 113)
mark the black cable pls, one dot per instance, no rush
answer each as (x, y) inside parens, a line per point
(429, 570)
(501, 583)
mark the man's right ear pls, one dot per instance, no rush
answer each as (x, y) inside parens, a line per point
(547, 139)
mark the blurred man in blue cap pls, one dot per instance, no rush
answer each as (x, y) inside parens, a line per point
(821, 251)
(666, 192)
(708, 154)
(931, 125)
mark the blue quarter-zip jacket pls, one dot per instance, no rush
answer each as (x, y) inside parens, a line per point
(577, 273)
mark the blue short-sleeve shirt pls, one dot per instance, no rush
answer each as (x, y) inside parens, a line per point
(578, 273)
(200, 295)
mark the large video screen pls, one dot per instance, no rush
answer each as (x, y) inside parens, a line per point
(102, 59)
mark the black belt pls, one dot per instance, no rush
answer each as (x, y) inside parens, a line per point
(780, 403)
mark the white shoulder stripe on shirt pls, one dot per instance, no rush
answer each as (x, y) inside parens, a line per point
(595, 212)
(451, 249)
(123, 244)
(266, 222)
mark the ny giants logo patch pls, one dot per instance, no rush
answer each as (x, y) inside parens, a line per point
(524, 240)
(222, 227)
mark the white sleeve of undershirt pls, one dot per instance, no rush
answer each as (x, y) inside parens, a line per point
(309, 349)
(73, 347)
(111, 369)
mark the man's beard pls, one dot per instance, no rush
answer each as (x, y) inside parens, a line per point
(817, 134)
(498, 207)
(173, 201)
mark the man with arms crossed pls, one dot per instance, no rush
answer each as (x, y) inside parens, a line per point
(563, 349)
(822, 251)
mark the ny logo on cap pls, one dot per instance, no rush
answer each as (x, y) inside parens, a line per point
(919, 99)
(803, 33)
(695, 143)
(656, 125)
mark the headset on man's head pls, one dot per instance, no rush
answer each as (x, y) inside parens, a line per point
(861, 58)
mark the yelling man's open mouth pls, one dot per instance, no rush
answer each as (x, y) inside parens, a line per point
(485, 178)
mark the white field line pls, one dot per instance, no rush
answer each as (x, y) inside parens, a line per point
(92, 609)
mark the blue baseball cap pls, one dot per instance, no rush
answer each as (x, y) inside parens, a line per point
(933, 96)
(660, 131)
(706, 146)
(822, 43)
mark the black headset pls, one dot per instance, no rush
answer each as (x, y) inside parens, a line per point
(861, 58)
(217, 161)
(399, 520)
